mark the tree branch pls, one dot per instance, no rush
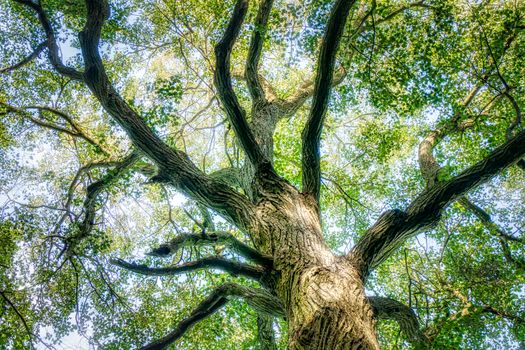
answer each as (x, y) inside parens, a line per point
(259, 299)
(290, 105)
(395, 226)
(76, 132)
(427, 162)
(20, 316)
(174, 165)
(211, 237)
(311, 136)
(52, 46)
(222, 78)
(485, 218)
(254, 52)
(26, 59)
(90, 202)
(494, 229)
(208, 306)
(265, 332)
(390, 309)
(232, 267)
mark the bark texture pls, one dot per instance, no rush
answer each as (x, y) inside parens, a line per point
(320, 294)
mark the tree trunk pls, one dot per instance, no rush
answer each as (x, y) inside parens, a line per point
(323, 294)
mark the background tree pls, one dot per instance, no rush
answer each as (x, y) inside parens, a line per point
(340, 163)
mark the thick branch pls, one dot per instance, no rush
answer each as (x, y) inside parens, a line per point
(265, 332)
(427, 162)
(222, 77)
(259, 299)
(290, 105)
(394, 227)
(255, 50)
(213, 237)
(208, 306)
(494, 229)
(26, 59)
(52, 46)
(219, 263)
(311, 136)
(174, 166)
(390, 309)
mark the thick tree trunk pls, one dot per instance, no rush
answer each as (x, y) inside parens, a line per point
(328, 309)
(323, 294)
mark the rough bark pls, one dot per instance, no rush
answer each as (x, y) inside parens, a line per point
(390, 309)
(323, 294)
(311, 136)
(265, 332)
(320, 294)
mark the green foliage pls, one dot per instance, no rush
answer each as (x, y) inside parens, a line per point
(405, 75)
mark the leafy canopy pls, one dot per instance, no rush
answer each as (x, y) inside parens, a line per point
(408, 68)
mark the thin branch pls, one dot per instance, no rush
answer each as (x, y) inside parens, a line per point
(52, 46)
(222, 78)
(494, 229)
(40, 47)
(485, 218)
(290, 105)
(219, 263)
(20, 316)
(76, 132)
(400, 10)
(211, 237)
(311, 136)
(90, 203)
(254, 52)
(427, 162)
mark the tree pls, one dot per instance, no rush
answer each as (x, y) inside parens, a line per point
(271, 206)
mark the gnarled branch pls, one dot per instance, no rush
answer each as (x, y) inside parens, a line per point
(208, 238)
(222, 78)
(396, 226)
(311, 136)
(259, 299)
(232, 267)
(52, 46)
(90, 202)
(207, 307)
(257, 91)
(174, 165)
(390, 309)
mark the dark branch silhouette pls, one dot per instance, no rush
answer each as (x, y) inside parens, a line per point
(236, 115)
(209, 238)
(232, 267)
(34, 54)
(311, 136)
